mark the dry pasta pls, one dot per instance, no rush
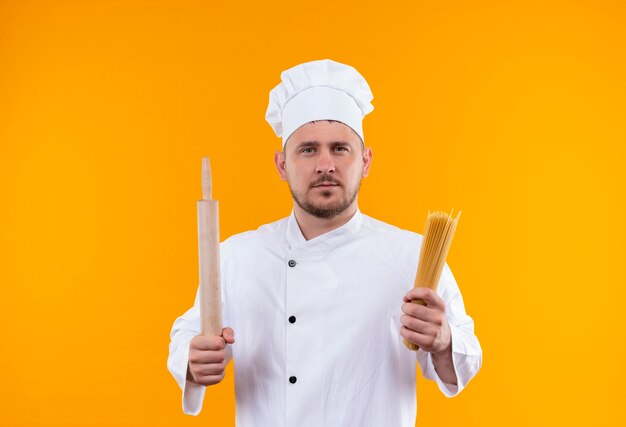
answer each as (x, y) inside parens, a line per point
(438, 233)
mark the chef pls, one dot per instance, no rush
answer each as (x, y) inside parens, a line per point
(317, 304)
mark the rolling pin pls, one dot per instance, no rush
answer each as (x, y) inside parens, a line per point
(209, 257)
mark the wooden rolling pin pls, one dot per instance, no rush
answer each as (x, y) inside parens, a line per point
(209, 257)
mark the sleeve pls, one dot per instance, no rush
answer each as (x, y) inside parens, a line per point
(466, 350)
(184, 329)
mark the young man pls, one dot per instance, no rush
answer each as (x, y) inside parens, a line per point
(320, 301)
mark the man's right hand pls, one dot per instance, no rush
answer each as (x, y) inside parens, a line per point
(207, 357)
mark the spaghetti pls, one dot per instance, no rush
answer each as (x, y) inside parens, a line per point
(438, 233)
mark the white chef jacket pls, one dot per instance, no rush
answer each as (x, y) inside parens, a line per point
(317, 327)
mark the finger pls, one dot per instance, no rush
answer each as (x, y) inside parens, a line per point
(419, 293)
(417, 325)
(212, 369)
(415, 300)
(210, 379)
(229, 335)
(203, 357)
(430, 297)
(421, 312)
(205, 342)
(423, 341)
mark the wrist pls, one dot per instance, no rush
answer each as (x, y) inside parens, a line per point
(446, 353)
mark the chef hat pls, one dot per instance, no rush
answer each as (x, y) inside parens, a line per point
(318, 90)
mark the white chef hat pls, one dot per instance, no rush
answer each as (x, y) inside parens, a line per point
(318, 90)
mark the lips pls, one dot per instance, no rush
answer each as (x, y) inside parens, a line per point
(326, 184)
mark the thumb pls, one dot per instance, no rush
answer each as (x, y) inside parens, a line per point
(229, 335)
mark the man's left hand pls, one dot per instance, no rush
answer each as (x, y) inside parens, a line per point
(426, 326)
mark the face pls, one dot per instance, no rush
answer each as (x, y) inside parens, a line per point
(324, 162)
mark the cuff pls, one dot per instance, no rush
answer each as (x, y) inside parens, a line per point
(193, 394)
(449, 390)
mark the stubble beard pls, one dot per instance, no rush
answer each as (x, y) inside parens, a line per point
(326, 211)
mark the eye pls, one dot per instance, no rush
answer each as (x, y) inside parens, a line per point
(340, 148)
(307, 150)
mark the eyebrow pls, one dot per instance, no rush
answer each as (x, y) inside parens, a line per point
(317, 144)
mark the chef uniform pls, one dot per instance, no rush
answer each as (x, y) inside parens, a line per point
(317, 322)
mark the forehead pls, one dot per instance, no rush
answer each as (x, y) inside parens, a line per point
(324, 132)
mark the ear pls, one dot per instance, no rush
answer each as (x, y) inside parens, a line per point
(367, 161)
(279, 161)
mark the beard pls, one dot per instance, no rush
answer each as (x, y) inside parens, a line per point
(326, 210)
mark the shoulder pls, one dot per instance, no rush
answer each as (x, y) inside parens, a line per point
(391, 242)
(266, 234)
(392, 246)
(389, 232)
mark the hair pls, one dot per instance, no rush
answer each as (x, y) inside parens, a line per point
(328, 120)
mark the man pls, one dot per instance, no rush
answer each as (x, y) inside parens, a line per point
(319, 301)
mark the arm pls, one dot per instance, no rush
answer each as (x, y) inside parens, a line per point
(183, 353)
(444, 365)
(185, 328)
(449, 353)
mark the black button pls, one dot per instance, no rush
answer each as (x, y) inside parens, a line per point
(292, 319)
(293, 380)
(292, 263)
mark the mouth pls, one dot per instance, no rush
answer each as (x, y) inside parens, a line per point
(326, 185)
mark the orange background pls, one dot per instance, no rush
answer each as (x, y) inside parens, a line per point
(511, 111)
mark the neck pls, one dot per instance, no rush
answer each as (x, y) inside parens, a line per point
(312, 226)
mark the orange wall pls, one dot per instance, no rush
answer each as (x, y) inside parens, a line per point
(511, 111)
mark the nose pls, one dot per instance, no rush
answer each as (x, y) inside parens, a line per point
(325, 163)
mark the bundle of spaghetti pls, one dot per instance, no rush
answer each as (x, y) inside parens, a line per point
(438, 233)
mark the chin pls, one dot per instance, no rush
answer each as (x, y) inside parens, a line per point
(326, 201)
(334, 204)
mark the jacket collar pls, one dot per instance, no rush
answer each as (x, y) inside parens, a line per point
(328, 240)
